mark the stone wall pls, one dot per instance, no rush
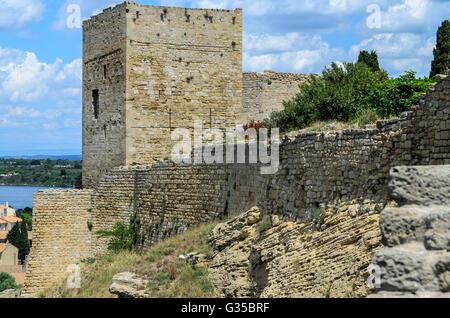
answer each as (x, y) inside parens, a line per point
(265, 92)
(327, 168)
(317, 170)
(416, 260)
(61, 236)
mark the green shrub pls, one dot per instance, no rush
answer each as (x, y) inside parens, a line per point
(339, 94)
(352, 93)
(368, 116)
(122, 237)
(7, 282)
(397, 95)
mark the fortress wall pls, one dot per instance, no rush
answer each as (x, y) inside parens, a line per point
(61, 236)
(264, 93)
(316, 170)
(167, 199)
(104, 71)
(183, 65)
(321, 168)
(344, 168)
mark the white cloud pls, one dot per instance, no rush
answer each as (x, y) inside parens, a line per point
(409, 16)
(399, 52)
(16, 14)
(289, 53)
(24, 78)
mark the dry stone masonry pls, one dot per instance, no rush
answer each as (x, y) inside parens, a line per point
(416, 259)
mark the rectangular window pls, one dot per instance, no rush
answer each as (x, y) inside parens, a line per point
(104, 71)
(95, 102)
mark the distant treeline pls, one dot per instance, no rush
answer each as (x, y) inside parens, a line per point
(38, 172)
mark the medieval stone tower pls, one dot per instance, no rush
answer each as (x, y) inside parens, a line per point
(150, 69)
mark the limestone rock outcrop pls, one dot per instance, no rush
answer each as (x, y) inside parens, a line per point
(255, 256)
(128, 285)
(416, 259)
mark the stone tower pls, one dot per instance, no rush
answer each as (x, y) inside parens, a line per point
(148, 70)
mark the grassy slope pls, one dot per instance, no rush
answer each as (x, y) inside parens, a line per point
(169, 276)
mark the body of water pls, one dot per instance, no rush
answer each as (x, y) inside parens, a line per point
(18, 197)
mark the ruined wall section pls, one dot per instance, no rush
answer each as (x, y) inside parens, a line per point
(183, 65)
(416, 260)
(328, 168)
(264, 93)
(61, 236)
(104, 82)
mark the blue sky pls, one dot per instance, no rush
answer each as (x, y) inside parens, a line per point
(40, 56)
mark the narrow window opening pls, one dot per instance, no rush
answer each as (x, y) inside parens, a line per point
(104, 71)
(95, 102)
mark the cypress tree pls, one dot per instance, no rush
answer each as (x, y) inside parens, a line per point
(441, 62)
(13, 234)
(22, 243)
(370, 59)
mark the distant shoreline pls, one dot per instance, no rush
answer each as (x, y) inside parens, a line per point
(33, 185)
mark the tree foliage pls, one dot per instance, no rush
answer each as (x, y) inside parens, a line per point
(370, 59)
(18, 236)
(339, 94)
(123, 237)
(397, 95)
(441, 62)
(22, 242)
(37, 172)
(13, 234)
(7, 282)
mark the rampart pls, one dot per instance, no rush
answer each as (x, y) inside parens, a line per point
(316, 169)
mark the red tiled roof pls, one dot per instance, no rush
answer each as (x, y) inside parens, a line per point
(3, 235)
(11, 219)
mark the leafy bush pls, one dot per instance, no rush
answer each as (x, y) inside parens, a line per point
(351, 93)
(122, 237)
(7, 282)
(338, 94)
(397, 95)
